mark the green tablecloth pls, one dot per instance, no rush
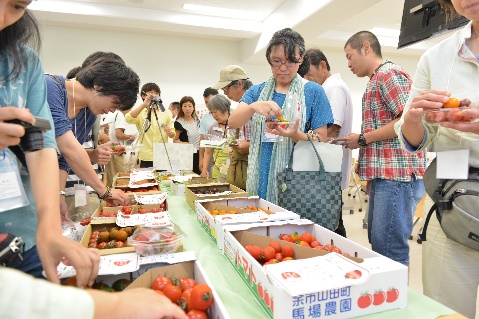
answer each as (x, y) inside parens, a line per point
(234, 294)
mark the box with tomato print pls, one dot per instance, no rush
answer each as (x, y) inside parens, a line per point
(316, 283)
(109, 213)
(212, 191)
(215, 214)
(184, 270)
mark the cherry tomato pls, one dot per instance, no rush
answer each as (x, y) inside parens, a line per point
(452, 103)
(160, 283)
(188, 283)
(201, 297)
(172, 292)
(196, 314)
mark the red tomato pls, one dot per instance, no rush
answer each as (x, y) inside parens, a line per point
(278, 256)
(328, 247)
(126, 210)
(365, 300)
(172, 292)
(294, 237)
(160, 283)
(271, 261)
(439, 117)
(307, 237)
(268, 253)
(379, 297)
(201, 297)
(185, 300)
(454, 116)
(337, 250)
(188, 283)
(276, 246)
(287, 251)
(314, 243)
(142, 210)
(284, 237)
(303, 243)
(196, 314)
(392, 295)
(256, 251)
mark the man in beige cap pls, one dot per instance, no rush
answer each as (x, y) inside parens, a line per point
(234, 83)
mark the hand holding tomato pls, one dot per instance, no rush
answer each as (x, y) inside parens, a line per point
(118, 194)
(138, 303)
(473, 127)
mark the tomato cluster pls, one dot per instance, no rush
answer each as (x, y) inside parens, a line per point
(141, 190)
(272, 254)
(451, 111)
(206, 191)
(378, 298)
(118, 148)
(116, 237)
(85, 221)
(195, 299)
(308, 240)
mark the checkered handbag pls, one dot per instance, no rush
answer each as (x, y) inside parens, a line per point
(314, 195)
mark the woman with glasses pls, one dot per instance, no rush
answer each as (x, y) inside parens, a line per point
(307, 107)
(187, 128)
(219, 106)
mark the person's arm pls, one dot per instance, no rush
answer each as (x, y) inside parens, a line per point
(381, 134)
(120, 134)
(135, 112)
(333, 131)
(178, 130)
(77, 158)
(206, 161)
(51, 244)
(244, 112)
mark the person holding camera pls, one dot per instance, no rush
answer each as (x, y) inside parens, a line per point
(153, 121)
(22, 97)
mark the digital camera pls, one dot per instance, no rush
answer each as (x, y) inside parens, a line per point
(157, 100)
(33, 138)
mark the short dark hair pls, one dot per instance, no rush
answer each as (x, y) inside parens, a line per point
(73, 72)
(304, 67)
(101, 54)
(183, 100)
(14, 38)
(316, 56)
(150, 87)
(111, 78)
(210, 91)
(356, 42)
(290, 40)
(175, 105)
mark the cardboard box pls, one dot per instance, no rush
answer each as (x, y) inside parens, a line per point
(134, 210)
(178, 189)
(221, 187)
(188, 269)
(301, 288)
(214, 225)
(99, 225)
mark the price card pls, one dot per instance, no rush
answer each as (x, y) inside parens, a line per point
(168, 258)
(9, 185)
(149, 219)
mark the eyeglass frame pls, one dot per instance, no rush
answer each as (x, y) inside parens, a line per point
(230, 85)
(289, 64)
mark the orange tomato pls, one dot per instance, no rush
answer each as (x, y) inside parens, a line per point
(452, 103)
(276, 246)
(287, 251)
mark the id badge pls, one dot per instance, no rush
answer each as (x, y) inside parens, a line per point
(270, 138)
(460, 169)
(12, 191)
(80, 195)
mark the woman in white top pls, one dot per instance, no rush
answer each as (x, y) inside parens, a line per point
(450, 68)
(187, 127)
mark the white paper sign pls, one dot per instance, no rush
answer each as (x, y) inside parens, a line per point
(150, 219)
(304, 157)
(9, 185)
(183, 153)
(460, 167)
(168, 258)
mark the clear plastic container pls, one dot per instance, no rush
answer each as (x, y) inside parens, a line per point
(452, 115)
(275, 124)
(156, 240)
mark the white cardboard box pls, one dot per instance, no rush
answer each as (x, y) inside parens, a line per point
(187, 269)
(214, 225)
(178, 189)
(302, 289)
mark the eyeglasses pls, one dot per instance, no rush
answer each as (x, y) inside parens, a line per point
(278, 63)
(229, 85)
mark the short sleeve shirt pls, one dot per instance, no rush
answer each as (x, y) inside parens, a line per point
(318, 114)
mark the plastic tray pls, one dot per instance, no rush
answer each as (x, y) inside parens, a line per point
(444, 115)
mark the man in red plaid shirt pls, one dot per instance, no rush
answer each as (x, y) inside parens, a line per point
(393, 174)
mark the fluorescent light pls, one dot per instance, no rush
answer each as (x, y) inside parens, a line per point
(224, 12)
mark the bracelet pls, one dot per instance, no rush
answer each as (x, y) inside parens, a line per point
(63, 193)
(107, 193)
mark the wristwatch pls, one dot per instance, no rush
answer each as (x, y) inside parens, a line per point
(63, 193)
(362, 140)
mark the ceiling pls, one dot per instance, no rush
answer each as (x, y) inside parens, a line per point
(323, 23)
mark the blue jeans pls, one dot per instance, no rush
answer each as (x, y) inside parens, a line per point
(31, 263)
(390, 216)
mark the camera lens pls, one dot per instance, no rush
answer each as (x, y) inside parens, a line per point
(32, 140)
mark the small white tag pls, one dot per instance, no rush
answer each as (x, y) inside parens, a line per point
(460, 168)
(228, 161)
(9, 185)
(270, 138)
(80, 195)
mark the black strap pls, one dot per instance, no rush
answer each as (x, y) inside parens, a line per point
(426, 223)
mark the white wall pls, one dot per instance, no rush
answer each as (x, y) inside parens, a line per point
(179, 65)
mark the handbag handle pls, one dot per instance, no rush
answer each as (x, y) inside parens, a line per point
(322, 172)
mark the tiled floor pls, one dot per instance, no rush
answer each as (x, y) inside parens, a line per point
(356, 232)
